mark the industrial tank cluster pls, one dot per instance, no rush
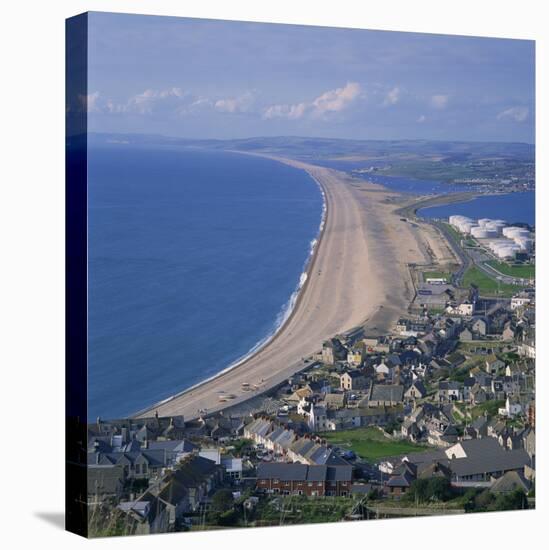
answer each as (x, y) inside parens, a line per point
(508, 240)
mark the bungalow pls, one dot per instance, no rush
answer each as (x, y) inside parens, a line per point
(474, 461)
(483, 459)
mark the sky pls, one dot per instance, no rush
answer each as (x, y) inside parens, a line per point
(198, 78)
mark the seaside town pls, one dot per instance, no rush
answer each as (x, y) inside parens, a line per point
(434, 416)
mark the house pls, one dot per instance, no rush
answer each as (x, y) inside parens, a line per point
(474, 461)
(186, 488)
(520, 300)
(480, 326)
(494, 365)
(527, 348)
(416, 391)
(334, 401)
(510, 482)
(332, 351)
(385, 395)
(400, 480)
(145, 516)
(512, 407)
(175, 449)
(477, 395)
(508, 332)
(410, 430)
(354, 357)
(318, 419)
(105, 481)
(384, 369)
(302, 479)
(482, 459)
(143, 464)
(353, 380)
(449, 391)
(466, 335)
(464, 309)
(233, 467)
(374, 344)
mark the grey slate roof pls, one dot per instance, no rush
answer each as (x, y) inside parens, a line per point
(488, 462)
(303, 472)
(387, 392)
(104, 479)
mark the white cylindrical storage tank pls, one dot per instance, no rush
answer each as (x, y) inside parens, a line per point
(465, 227)
(491, 233)
(506, 252)
(494, 226)
(526, 244)
(479, 232)
(511, 230)
(483, 221)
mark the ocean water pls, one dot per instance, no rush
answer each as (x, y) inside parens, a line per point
(193, 258)
(514, 207)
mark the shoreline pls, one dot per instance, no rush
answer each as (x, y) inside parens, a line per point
(269, 338)
(357, 274)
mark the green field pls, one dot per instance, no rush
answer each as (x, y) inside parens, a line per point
(491, 407)
(487, 285)
(370, 444)
(520, 271)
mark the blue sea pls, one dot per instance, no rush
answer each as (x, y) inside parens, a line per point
(193, 258)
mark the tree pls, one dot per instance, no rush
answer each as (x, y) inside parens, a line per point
(510, 501)
(429, 490)
(222, 501)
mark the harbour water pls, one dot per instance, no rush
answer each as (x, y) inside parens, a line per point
(194, 259)
(512, 207)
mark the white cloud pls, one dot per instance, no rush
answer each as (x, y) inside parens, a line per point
(518, 114)
(91, 102)
(153, 100)
(439, 101)
(238, 104)
(172, 100)
(336, 100)
(285, 111)
(392, 96)
(331, 101)
(421, 118)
